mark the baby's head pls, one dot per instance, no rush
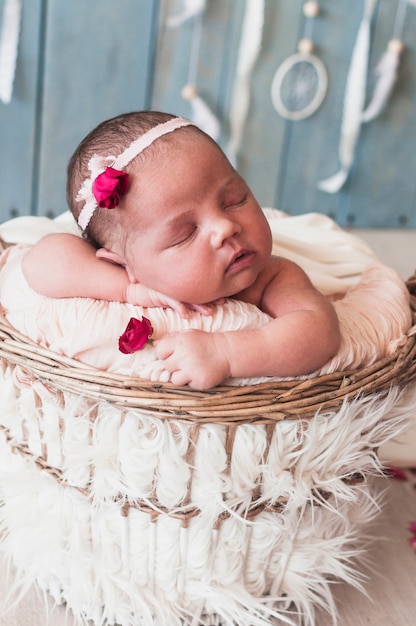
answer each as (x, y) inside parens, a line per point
(99, 149)
(185, 223)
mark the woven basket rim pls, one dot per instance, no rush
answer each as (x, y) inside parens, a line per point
(266, 402)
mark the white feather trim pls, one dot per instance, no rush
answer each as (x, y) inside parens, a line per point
(353, 102)
(386, 72)
(115, 565)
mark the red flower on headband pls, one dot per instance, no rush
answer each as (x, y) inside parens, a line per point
(109, 186)
(136, 335)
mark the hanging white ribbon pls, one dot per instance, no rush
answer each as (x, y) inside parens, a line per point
(250, 44)
(9, 43)
(353, 102)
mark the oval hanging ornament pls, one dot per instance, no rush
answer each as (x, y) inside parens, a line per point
(300, 83)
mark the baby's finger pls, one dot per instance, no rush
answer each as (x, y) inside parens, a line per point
(180, 378)
(179, 307)
(204, 309)
(164, 347)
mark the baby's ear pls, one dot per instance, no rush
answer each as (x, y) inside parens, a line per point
(113, 257)
(108, 255)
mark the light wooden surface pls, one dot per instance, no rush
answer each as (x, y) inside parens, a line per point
(391, 587)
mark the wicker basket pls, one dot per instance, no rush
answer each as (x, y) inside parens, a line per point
(153, 504)
(260, 403)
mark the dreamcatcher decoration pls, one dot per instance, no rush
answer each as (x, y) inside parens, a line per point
(201, 114)
(387, 68)
(300, 83)
(249, 49)
(9, 42)
(353, 102)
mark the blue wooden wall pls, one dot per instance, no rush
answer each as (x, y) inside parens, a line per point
(84, 60)
(79, 62)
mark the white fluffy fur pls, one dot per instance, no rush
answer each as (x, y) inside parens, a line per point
(130, 570)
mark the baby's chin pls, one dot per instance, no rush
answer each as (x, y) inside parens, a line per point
(215, 297)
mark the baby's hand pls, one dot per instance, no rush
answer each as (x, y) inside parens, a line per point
(136, 293)
(194, 358)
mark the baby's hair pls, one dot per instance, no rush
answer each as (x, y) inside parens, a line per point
(111, 137)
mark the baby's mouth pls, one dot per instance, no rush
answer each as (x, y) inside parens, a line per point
(241, 260)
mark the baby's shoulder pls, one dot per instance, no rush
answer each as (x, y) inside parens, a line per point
(279, 268)
(274, 271)
(283, 275)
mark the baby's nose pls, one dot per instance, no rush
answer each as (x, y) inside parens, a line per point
(224, 229)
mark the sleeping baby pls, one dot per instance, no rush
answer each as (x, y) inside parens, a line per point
(168, 222)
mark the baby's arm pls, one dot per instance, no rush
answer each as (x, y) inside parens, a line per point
(62, 265)
(303, 335)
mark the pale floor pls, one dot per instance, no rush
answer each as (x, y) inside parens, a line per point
(391, 586)
(396, 248)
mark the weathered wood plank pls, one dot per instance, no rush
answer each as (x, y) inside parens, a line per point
(98, 63)
(18, 119)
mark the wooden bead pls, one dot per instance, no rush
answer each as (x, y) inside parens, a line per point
(188, 92)
(395, 45)
(311, 9)
(305, 46)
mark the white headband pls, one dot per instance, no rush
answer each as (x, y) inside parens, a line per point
(98, 164)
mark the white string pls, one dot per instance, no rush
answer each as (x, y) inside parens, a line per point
(195, 49)
(353, 102)
(252, 33)
(202, 116)
(399, 21)
(308, 27)
(9, 43)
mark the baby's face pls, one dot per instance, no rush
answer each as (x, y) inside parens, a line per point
(197, 233)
